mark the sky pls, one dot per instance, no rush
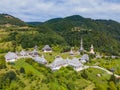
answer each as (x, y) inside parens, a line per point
(42, 10)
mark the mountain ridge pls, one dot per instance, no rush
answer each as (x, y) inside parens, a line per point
(103, 34)
(11, 20)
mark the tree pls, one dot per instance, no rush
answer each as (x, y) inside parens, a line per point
(10, 75)
(29, 73)
(113, 78)
(99, 87)
(112, 86)
(22, 70)
(14, 45)
(71, 86)
(84, 74)
(2, 62)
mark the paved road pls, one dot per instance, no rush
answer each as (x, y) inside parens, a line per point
(85, 67)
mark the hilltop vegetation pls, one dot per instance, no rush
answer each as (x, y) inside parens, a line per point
(61, 32)
(101, 33)
(34, 23)
(8, 20)
(17, 35)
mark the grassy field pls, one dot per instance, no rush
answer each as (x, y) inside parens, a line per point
(90, 87)
(44, 80)
(108, 64)
(21, 63)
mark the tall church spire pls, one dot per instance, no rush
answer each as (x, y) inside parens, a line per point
(81, 45)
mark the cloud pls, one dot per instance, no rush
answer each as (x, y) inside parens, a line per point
(41, 10)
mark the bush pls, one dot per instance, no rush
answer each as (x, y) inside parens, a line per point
(29, 73)
(29, 60)
(2, 62)
(10, 75)
(112, 86)
(84, 74)
(99, 87)
(22, 70)
(70, 86)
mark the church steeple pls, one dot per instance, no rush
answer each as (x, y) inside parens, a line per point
(81, 45)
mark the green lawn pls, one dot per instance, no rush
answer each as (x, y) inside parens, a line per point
(107, 64)
(82, 83)
(90, 87)
(21, 63)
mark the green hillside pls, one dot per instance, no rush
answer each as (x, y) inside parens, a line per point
(8, 20)
(34, 23)
(103, 34)
(64, 32)
(26, 74)
(14, 36)
(60, 33)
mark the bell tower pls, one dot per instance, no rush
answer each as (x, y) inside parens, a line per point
(92, 49)
(81, 45)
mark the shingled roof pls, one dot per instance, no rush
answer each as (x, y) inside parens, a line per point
(41, 60)
(47, 47)
(58, 62)
(10, 56)
(75, 62)
(85, 58)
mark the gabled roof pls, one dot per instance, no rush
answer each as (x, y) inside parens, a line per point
(10, 55)
(58, 62)
(23, 52)
(34, 50)
(40, 59)
(75, 62)
(85, 57)
(47, 47)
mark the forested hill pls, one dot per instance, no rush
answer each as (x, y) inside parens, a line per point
(6, 19)
(103, 34)
(34, 23)
(16, 35)
(67, 23)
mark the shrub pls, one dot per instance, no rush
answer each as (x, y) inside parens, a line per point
(2, 62)
(10, 75)
(22, 70)
(99, 87)
(29, 73)
(112, 86)
(84, 74)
